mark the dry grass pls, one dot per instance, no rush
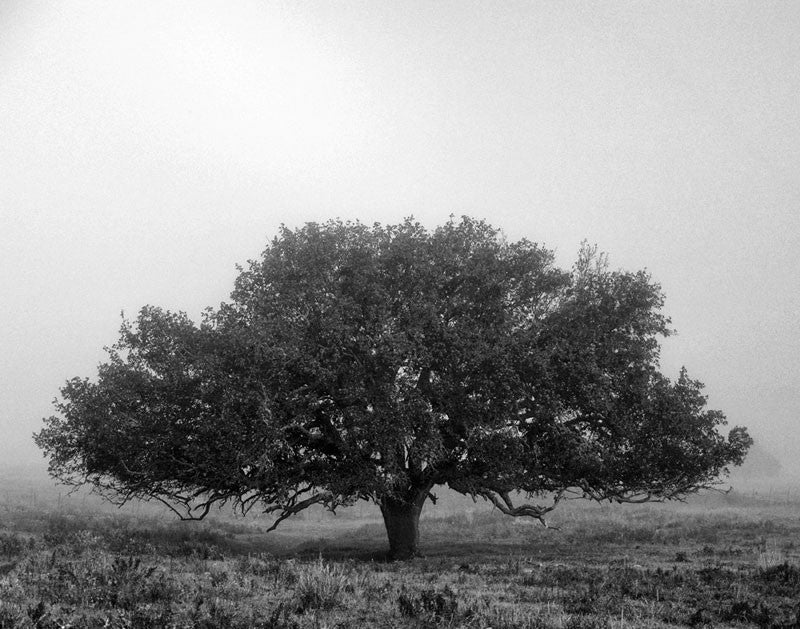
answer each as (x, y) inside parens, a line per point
(727, 561)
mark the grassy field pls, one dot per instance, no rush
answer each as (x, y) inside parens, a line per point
(717, 561)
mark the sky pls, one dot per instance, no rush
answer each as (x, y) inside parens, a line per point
(147, 148)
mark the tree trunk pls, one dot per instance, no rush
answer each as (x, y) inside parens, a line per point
(401, 517)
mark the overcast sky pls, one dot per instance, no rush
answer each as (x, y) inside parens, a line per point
(146, 148)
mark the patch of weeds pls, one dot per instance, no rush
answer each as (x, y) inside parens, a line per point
(61, 532)
(37, 612)
(511, 617)
(281, 572)
(12, 545)
(281, 618)
(219, 578)
(321, 586)
(10, 616)
(769, 558)
(43, 616)
(467, 568)
(126, 584)
(61, 529)
(512, 565)
(701, 617)
(431, 605)
(257, 565)
(560, 575)
(744, 611)
(782, 573)
(585, 622)
(194, 549)
(93, 582)
(221, 614)
(583, 600)
(781, 579)
(717, 576)
(128, 542)
(130, 583)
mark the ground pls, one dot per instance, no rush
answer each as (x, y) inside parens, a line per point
(716, 561)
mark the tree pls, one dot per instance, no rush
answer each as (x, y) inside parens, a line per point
(375, 363)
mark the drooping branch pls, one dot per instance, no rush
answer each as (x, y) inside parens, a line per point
(188, 515)
(672, 489)
(184, 505)
(294, 507)
(502, 501)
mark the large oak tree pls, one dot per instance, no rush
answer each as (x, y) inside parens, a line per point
(374, 363)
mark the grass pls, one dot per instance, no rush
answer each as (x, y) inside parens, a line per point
(721, 561)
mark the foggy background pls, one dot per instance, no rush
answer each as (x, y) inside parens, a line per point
(146, 148)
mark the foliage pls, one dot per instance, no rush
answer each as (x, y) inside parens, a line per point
(375, 363)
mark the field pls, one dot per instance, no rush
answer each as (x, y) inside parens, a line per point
(716, 561)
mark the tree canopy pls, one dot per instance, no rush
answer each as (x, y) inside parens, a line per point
(376, 362)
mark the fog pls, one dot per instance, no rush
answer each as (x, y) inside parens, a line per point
(147, 148)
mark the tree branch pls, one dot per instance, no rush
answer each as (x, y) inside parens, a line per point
(187, 516)
(296, 507)
(502, 500)
(672, 489)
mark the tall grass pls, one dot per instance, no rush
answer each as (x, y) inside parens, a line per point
(653, 566)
